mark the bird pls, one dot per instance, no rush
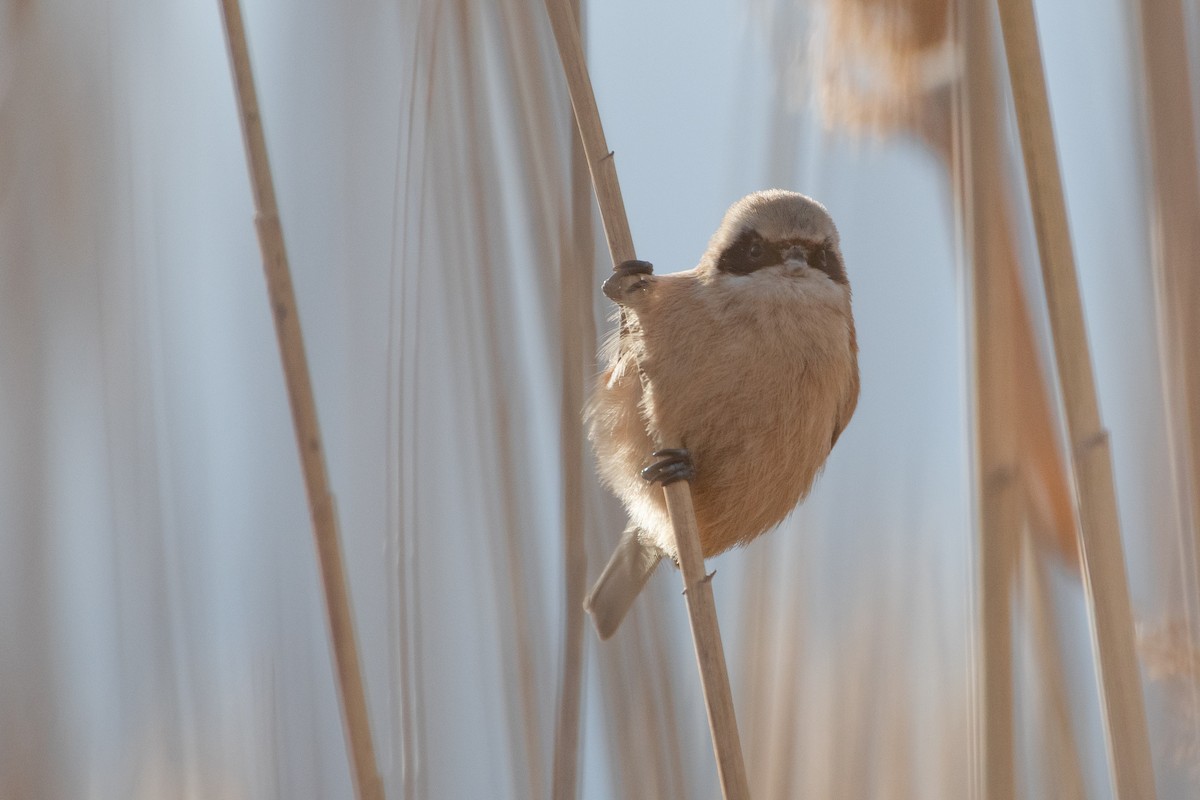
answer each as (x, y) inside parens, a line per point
(748, 363)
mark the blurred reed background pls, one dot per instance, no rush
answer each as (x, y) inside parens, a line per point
(162, 627)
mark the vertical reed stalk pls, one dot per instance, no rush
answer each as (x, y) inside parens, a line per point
(1060, 752)
(996, 468)
(1047, 496)
(576, 327)
(706, 635)
(998, 487)
(355, 719)
(1100, 536)
(1176, 230)
(1051, 503)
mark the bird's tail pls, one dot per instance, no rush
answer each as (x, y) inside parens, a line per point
(617, 587)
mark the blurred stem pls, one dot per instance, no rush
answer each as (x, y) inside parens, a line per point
(1061, 753)
(1176, 237)
(996, 469)
(576, 326)
(1049, 497)
(355, 719)
(1103, 559)
(1021, 475)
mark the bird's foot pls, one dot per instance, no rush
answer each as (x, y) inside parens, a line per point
(673, 465)
(628, 277)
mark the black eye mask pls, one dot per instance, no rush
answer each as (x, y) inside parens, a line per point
(826, 259)
(750, 252)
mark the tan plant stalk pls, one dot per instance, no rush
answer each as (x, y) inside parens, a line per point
(1030, 456)
(1104, 572)
(1175, 231)
(706, 635)
(996, 458)
(1059, 751)
(886, 67)
(1171, 131)
(994, 329)
(577, 329)
(355, 719)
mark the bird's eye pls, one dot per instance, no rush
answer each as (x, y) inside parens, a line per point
(756, 251)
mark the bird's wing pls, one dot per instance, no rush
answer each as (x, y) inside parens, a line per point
(850, 399)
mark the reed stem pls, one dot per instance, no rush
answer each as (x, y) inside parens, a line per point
(576, 326)
(706, 634)
(355, 719)
(1175, 226)
(993, 304)
(1103, 560)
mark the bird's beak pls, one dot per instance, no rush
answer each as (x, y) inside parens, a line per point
(795, 257)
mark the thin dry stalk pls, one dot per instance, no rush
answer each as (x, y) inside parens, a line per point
(706, 635)
(496, 408)
(578, 339)
(1061, 751)
(600, 160)
(1176, 230)
(1103, 560)
(996, 470)
(904, 49)
(1049, 504)
(1048, 496)
(355, 720)
(996, 331)
(998, 487)
(760, 697)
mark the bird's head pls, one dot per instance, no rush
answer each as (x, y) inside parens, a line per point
(784, 232)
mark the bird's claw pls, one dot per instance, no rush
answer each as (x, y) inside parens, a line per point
(674, 464)
(627, 277)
